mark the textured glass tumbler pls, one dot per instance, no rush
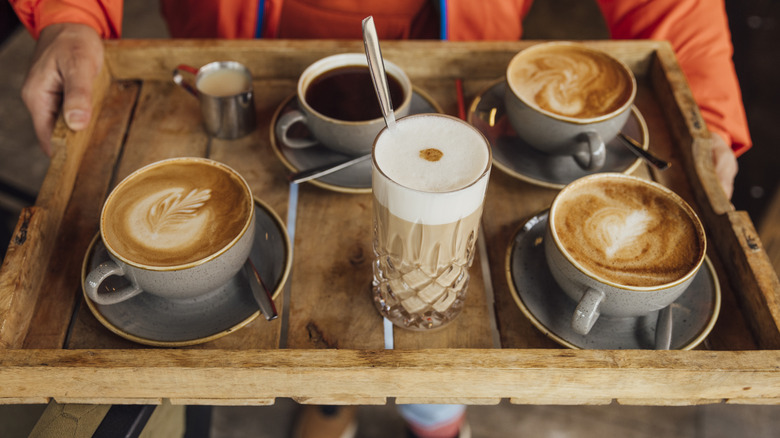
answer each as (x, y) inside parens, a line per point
(424, 241)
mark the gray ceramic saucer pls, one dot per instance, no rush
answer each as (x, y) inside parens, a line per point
(353, 179)
(152, 320)
(549, 308)
(515, 157)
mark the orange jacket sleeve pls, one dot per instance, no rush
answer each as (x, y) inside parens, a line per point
(699, 33)
(105, 16)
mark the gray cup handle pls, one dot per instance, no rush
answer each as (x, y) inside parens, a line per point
(594, 152)
(285, 122)
(587, 311)
(98, 275)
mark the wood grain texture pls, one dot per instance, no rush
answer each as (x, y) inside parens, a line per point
(534, 376)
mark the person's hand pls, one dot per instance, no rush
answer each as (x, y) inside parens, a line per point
(725, 164)
(67, 59)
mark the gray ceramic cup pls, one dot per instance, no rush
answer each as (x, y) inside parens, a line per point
(595, 292)
(190, 278)
(349, 137)
(226, 96)
(582, 137)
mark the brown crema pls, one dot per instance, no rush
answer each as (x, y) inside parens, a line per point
(175, 213)
(570, 80)
(627, 233)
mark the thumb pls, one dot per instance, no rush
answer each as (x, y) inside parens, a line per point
(77, 98)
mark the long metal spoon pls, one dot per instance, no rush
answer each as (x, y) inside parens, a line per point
(377, 67)
(262, 295)
(327, 169)
(640, 152)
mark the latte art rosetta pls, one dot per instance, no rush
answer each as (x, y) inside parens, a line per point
(176, 210)
(569, 82)
(175, 213)
(628, 234)
(170, 218)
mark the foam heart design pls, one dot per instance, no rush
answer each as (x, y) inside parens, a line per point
(619, 228)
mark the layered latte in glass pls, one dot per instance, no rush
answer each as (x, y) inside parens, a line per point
(430, 174)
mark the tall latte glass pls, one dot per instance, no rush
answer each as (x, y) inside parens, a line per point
(430, 174)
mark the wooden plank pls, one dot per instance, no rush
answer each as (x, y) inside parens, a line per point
(22, 275)
(148, 59)
(536, 376)
(52, 315)
(331, 304)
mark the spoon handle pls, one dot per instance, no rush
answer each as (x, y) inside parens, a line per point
(637, 149)
(663, 329)
(377, 68)
(314, 173)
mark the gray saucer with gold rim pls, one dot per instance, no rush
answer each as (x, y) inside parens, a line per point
(152, 320)
(550, 309)
(515, 157)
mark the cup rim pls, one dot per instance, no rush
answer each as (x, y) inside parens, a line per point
(179, 267)
(346, 60)
(481, 176)
(654, 185)
(575, 120)
(212, 67)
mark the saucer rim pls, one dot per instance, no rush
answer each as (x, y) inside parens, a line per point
(277, 148)
(93, 307)
(693, 343)
(542, 183)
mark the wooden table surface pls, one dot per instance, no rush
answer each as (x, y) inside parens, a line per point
(329, 345)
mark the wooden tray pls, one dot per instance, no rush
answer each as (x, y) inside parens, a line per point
(328, 347)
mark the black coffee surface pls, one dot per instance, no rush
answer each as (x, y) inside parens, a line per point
(347, 93)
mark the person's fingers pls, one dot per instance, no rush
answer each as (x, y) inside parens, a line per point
(725, 164)
(78, 70)
(42, 96)
(67, 60)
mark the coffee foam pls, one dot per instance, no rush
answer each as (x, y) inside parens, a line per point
(570, 81)
(176, 213)
(420, 189)
(627, 233)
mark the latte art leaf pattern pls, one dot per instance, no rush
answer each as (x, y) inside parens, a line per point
(175, 209)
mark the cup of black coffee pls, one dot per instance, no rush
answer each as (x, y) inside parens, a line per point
(338, 104)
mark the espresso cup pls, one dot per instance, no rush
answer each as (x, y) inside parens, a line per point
(429, 177)
(567, 99)
(338, 104)
(621, 246)
(226, 97)
(178, 228)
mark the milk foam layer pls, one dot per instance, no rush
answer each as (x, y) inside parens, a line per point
(176, 213)
(627, 233)
(421, 190)
(570, 81)
(224, 82)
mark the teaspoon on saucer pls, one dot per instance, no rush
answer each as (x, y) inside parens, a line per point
(637, 149)
(261, 293)
(663, 329)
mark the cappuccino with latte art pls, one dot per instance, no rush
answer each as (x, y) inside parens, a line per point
(628, 233)
(176, 213)
(179, 228)
(622, 246)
